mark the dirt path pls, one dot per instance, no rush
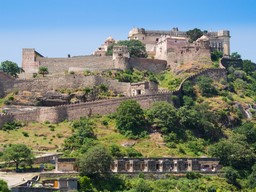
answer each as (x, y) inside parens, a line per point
(14, 179)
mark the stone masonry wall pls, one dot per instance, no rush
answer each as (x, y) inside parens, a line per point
(102, 107)
(75, 111)
(92, 63)
(6, 82)
(5, 118)
(69, 81)
(153, 65)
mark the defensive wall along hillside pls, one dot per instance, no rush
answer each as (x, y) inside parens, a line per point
(215, 74)
(32, 60)
(75, 111)
(6, 83)
(70, 82)
(144, 64)
(99, 63)
(103, 107)
(92, 63)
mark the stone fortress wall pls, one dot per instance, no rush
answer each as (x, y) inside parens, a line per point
(32, 60)
(6, 83)
(75, 111)
(69, 81)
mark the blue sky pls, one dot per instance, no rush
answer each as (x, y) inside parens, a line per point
(56, 28)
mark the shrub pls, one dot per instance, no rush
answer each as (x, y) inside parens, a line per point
(193, 175)
(59, 135)
(206, 86)
(25, 134)
(12, 125)
(105, 122)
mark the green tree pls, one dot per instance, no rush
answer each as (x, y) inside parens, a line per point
(201, 120)
(95, 162)
(18, 153)
(83, 136)
(194, 34)
(235, 55)
(249, 67)
(206, 86)
(10, 68)
(216, 55)
(143, 186)
(43, 70)
(4, 186)
(234, 152)
(231, 175)
(130, 118)
(252, 177)
(248, 129)
(115, 151)
(164, 116)
(85, 184)
(188, 90)
(135, 47)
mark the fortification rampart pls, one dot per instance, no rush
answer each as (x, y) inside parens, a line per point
(75, 111)
(153, 65)
(92, 63)
(5, 118)
(53, 83)
(215, 74)
(6, 83)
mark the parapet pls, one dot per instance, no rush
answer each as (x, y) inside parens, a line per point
(223, 33)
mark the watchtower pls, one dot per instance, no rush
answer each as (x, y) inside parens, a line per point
(225, 36)
(121, 57)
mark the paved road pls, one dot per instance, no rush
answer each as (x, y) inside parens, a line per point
(14, 179)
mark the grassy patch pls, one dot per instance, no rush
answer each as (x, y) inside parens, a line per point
(38, 136)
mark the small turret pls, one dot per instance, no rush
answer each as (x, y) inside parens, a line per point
(120, 57)
(225, 36)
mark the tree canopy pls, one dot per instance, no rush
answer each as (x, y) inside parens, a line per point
(234, 152)
(18, 153)
(82, 137)
(10, 68)
(235, 55)
(194, 34)
(43, 70)
(164, 116)
(130, 118)
(135, 47)
(4, 186)
(95, 162)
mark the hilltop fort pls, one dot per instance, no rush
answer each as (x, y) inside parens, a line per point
(166, 50)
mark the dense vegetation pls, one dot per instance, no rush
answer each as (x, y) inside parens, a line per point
(132, 76)
(10, 68)
(210, 121)
(135, 47)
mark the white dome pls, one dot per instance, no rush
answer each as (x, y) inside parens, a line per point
(110, 38)
(203, 38)
(133, 32)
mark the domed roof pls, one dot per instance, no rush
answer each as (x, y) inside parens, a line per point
(133, 31)
(110, 38)
(203, 38)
